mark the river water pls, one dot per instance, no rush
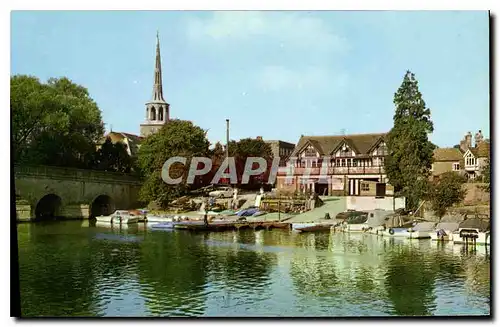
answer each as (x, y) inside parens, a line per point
(73, 269)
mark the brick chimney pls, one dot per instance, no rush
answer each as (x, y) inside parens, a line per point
(478, 138)
(468, 139)
(466, 143)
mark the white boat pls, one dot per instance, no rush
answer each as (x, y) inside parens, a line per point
(119, 217)
(473, 231)
(444, 232)
(158, 219)
(418, 231)
(371, 221)
(297, 226)
(164, 225)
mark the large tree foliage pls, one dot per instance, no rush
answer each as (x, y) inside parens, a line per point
(447, 191)
(245, 148)
(410, 152)
(177, 138)
(486, 175)
(54, 123)
(113, 157)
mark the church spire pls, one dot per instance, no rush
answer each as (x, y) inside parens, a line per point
(158, 85)
(157, 109)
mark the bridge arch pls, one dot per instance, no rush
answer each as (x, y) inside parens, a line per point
(102, 205)
(48, 207)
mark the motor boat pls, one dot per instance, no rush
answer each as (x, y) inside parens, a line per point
(366, 222)
(312, 227)
(158, 218)
(473, 231)
(119, 217)
(413, 230)
(164, 225)
(443, 232)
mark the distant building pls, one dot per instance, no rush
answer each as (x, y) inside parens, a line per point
(157, 109)
(447, 159)
(475, 158)
(280, 149)
(131, 141)
(465, 159)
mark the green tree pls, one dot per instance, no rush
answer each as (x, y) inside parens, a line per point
(55, 123)
(446, 192)
(113, 157)
(410, 153)
(217, 153)
(248, 147)
(486, 174)
(177, 138)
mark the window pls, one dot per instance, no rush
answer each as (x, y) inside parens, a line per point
(470, 161)
(365, 187)
(310, 152)
(432, 167)
(381, 150)
(456, 166)
(345, 151)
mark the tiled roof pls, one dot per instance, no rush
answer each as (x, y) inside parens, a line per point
(447, 154)
(134, 141)
(325, 145)
(482, 150)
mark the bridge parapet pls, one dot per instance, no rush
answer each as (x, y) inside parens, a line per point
(74, 174)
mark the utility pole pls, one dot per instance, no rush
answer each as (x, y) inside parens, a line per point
(279, 208)
(227, 144)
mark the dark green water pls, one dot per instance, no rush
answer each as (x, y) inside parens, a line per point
(70, 269)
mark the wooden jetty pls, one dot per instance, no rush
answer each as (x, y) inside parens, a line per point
(228, 226)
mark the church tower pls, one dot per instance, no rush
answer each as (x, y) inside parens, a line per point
(157, 109)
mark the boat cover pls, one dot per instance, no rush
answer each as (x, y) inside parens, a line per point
(375, 219)
(358, 219)
(449, 226)
(424, 226)
(481, 224)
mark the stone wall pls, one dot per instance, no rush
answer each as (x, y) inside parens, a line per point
(372, 203)
(476, 194)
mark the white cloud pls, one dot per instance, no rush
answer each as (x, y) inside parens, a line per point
(279, 78)
(287, 28)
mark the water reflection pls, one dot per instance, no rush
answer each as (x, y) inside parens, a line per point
(67, 269)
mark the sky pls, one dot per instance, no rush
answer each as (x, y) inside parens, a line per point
(278, 74)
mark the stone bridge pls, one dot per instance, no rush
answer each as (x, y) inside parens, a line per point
(51, 192)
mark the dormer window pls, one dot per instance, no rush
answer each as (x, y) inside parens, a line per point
(345, 151)
(310, 151)
(381, 150)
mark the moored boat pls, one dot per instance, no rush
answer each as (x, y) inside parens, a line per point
(158, 219)
(365, 222)
(444, 231)
(473, 231)
(412, 230)
(165, 225)
(119, 217)
(318, 227)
